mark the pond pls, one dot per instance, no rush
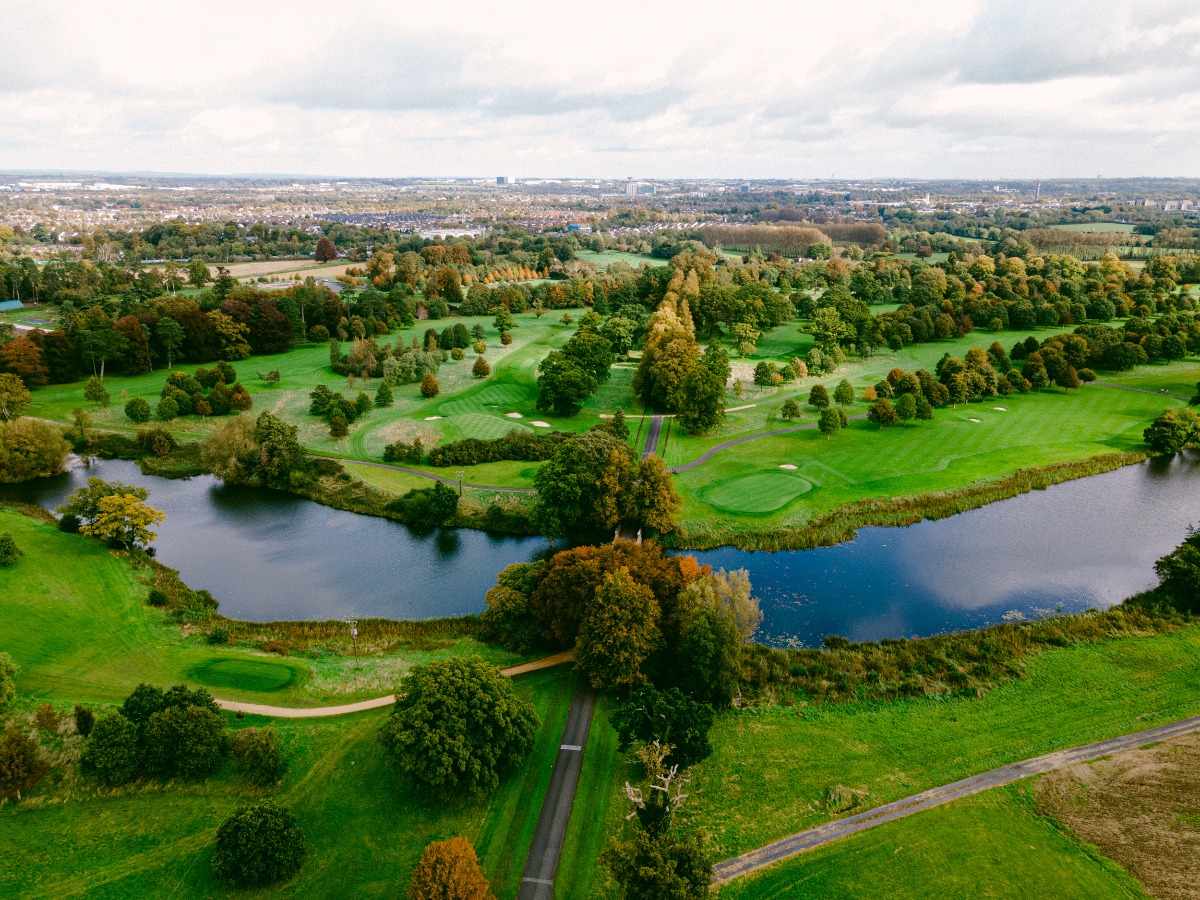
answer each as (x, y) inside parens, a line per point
(1081, 544)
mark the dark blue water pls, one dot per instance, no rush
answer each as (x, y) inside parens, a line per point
(1087, 543)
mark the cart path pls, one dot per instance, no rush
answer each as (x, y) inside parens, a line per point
(798, 843)
(652, 434)
(749, 437)
(541, 865)
(316, 712)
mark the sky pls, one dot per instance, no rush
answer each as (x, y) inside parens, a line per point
(665, 89)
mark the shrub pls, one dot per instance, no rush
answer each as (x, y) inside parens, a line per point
(429, 387)
(187, 741)
(273, 376)
(481, 369)
(219, 636)
(456, 353)
(138, 410)
(449, 870)
(506, 338)
(111, 753)
(156, 441)
(166, 410)
(84, 720)
(21, 765)
(258, 845)
(318, 334)
(8, 679)
(96, 392)
(338, 427)
(257, 749)
(46, 719)
(70, 524)
(9, 551)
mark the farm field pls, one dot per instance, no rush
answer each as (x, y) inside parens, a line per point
(1097, 227)
(604, 258)
(994, 845)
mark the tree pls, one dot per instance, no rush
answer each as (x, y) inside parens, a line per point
(843, 394)
(95, 392)
(584, 488)
(449, 870)
(183, 740)
(906, 407)
(258, 845)
(257, 750)
(137, 410)
(124, 519)
(765, 373)
(618, 631)
(9, 551)
(21, 764)
(383, 396)
(111, 753)
(481, 369)
(828, 328)
(430, 387)
(325, 251)
(170, 335)
(1172, 431)
(666, 716)
(428, 507)
(791, 410)
(654, 496)
(1179, 572)
(85, 719)
(458, 727)
(84, 502)
(701, 405)
(832, 421)
(23, 358)
(662, 866)
(745, 338)
(338, 428)
(31, 449)
(882, 413)
(15, 397)
(924, 408)
(198, 274)
(8, 679)
(818, 396)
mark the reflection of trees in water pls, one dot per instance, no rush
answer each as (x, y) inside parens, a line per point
(447, 542)
(1185, 463)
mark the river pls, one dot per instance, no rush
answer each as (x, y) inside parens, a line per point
(1080, 544)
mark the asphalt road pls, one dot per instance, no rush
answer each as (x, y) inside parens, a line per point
(823, 834)
(652, 435)
(542, 863)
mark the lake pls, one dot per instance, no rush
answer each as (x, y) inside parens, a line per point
(1086, 543)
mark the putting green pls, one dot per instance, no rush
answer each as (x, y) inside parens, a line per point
(263, 676)
(757, 494)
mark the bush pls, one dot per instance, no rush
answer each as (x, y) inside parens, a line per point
(430, 387)
(9, 551)
(8, 679)
(258, 845)
(31, 449)
(187, 741)
(427, 507)
(46, 718)
(70, 524)
(138, 410)
(481, 369)
(111, 753)
(157, 441)
(456, 353)
(257, 749)
(526, 446)
(219, 636)
(156, 597)
(166, 410)
(84, 720)
(21, 765)
(457, 727)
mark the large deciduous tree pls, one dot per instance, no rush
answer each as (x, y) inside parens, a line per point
(14, 397)
(618, 631)
(449, 870)
(1172, 431)
(584, 488)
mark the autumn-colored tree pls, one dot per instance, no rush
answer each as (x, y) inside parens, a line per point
(430, 387)
(325, 251)
(23, 358)
(449, 870)
(618, 632)
(481, 369)
(654, 496)
(14, 397)
(125, 519)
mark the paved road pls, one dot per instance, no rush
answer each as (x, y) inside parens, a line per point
(652, 434)
(1138, 390)
(749, 437)
(319, 712)
(823, 834)
(542, 863)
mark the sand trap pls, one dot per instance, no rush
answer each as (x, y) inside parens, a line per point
(540, 424)
(788, 466)
(1000, 409)
(432, 418)
(972, 420)
(513, 416)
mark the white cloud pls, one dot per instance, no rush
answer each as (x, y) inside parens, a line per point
(769, 88)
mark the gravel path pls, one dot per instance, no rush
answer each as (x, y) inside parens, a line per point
(795, 844)
(318, 712)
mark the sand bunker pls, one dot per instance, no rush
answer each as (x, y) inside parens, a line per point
(540, 424)
(788, 466)
(432, 418)
(513, 416)
(1000, 409)
(973, 420)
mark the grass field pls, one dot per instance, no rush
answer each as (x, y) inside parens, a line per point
(365, 831)
(771, 766)
(605, 258)
(990, 846)
(1097, 227)
(74, 617)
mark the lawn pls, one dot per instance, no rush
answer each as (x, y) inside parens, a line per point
(772, 764)
(365, 831)
(605, 258)
(1097, 227)
(76, 621)
(993, 845)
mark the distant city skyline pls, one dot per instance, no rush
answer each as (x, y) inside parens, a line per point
(933, 89)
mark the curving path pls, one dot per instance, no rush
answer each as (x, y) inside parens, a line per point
(317, 712)
(749, 437)
(795, 844)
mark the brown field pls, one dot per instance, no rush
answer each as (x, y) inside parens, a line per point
(1141, 808)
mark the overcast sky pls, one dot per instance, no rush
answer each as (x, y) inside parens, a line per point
(655, 88)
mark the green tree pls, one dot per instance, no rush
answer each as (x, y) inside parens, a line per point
(111, 752)
(791, 410)
(710, 656)
(563, 385)
(618, 631)
(1179, 572)
(198, 274)
(1172, 431)
(95, 392)
(745, 338)
(31, 449)
(124, 519)
(449, 870)
(14, 397)
(21, 764)
(667, 716)
(843, 394)
(338, 428)
(882, 413)
(504, 320)
(258, 751)
(137, 410)
(654, 496)
(924, 408)
(259, 845)
(187, 741)
(170, 335)
(458, 727)
(662, 866)
(818, 396)
(828, 328)
(383, 396)
(832, 421)
(584, 488)
(701, 404)
(765, 374)
(9, 551)
(8, 679)
(906, 407)
(84, 502)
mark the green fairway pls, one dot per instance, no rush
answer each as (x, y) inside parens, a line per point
(993, 845)
(771, 765)
(365, 831)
